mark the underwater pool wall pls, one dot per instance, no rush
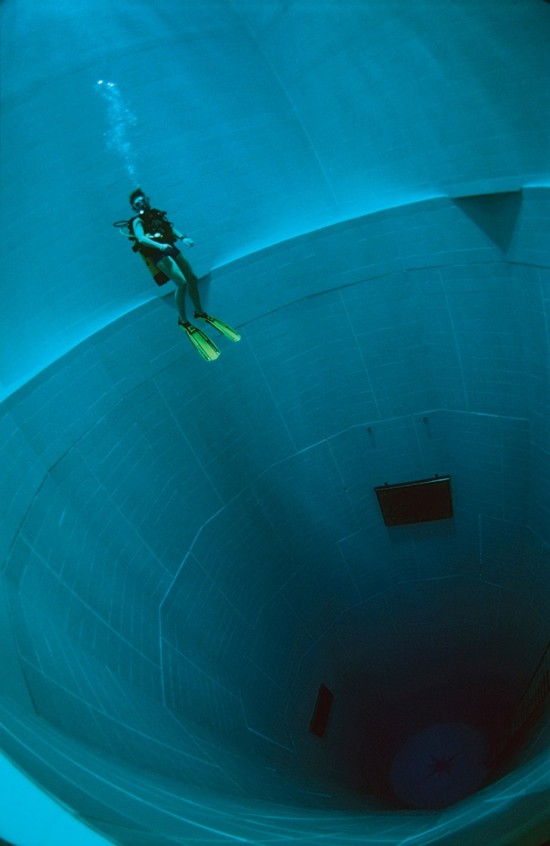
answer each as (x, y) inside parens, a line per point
(193, 548)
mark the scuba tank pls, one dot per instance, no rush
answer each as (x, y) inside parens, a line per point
(125, 229)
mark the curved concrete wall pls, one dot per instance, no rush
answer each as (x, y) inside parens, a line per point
(188, 550)
(195, 548)
(252, 123)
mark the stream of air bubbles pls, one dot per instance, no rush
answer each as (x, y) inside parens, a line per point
(120, 121)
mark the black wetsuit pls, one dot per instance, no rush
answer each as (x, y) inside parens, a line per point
(155, 223)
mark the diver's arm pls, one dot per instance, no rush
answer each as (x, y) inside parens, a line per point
(185, 238)
(142, 238)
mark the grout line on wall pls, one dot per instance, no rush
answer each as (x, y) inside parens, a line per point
(360, 351)
(457, 348)
(88, 607)
(275, 403)
(286, 96)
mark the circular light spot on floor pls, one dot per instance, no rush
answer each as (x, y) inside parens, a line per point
(439, 765)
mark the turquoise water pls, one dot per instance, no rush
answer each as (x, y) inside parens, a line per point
(189, 550)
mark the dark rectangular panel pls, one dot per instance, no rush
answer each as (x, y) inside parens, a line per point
(318, 724)
(416, 502)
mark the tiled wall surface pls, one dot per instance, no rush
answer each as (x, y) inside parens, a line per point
(277, 118)
(191, 548)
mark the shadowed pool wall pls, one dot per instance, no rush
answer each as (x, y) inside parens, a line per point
(189, 550)
(194, 548)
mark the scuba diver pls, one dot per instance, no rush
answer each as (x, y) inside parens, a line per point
(154, 238)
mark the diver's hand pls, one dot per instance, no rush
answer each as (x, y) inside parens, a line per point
(188, 241)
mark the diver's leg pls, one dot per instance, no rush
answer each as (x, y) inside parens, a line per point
(192, 281)
(168, 266)
(180, 302)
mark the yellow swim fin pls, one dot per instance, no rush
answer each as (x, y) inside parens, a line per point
(202, 343)
(218, 324)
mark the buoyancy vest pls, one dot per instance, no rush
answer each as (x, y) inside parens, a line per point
(155, 225)
(154, 222)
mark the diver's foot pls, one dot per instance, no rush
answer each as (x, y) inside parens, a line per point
(201, 314)
(182, 322)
